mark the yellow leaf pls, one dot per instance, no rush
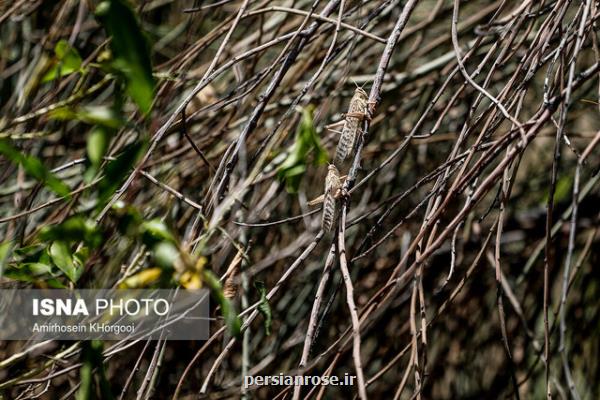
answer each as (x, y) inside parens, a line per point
(141, 279)
(201, 263)
(191, 280)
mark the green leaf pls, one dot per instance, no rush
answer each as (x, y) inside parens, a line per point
(5, 250)
(97, 144)
(72, 230)
(100, 115)
(63, 114)
(34, 167)
(32, 272)
(166, 254)
(61, 256)
(27, 251)
(67, 60)
(155, 231)
(294, 166)
(563, 188)
(38, 269)
(130, 49)
(94, 115)
(264, 307)
(31, 254)
(33, 266)
(34, 269)
(232, 320)
(294, 171)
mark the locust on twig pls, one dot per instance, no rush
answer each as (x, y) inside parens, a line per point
(333, 189)
(357, 112)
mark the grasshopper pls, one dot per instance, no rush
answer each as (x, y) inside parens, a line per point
(333, 188)
(357, 112)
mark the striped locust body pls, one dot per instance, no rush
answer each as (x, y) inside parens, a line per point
(333, 185)
(352, 125)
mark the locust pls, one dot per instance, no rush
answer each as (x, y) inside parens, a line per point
(357, 112)
(333, 189)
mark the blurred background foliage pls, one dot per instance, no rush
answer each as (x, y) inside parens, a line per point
(121, 165)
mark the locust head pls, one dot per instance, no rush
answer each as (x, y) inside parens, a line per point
(361, 92)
